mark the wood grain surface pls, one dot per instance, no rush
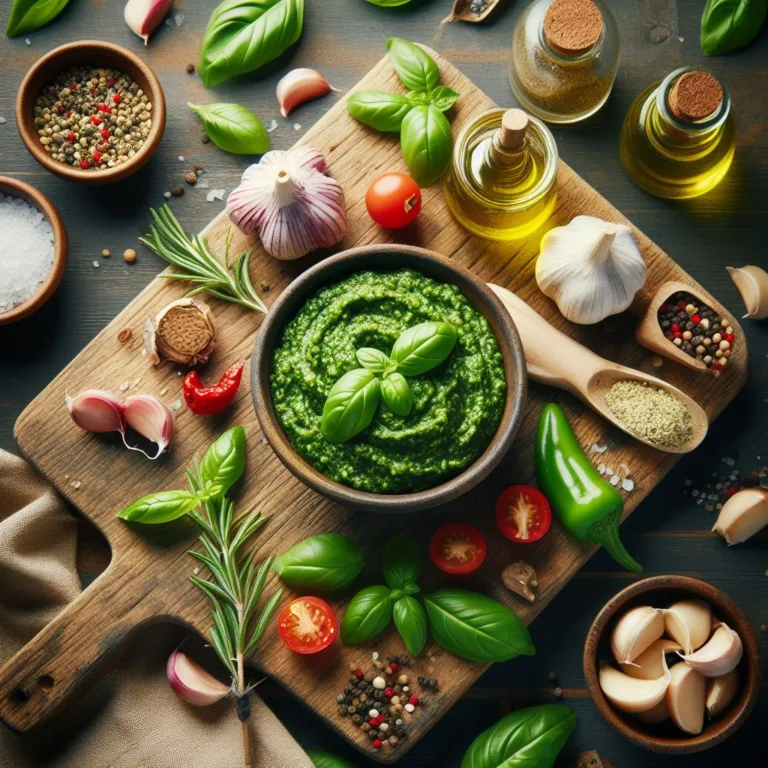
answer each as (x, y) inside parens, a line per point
(147, 580)
(345, 38)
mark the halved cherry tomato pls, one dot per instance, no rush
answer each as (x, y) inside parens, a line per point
(457, 548)
(393, 200)
(307, 625)
(523, 514)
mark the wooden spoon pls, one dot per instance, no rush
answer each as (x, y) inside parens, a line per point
(553, 358)
(462, 10)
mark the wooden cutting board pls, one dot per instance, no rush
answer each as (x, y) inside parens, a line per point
(147, 579)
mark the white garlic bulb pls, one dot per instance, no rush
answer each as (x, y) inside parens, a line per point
(591, 268)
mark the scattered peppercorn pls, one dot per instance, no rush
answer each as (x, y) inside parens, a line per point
(197, 167)
(265, 286)
(558, 692)
(191, 69)
(191, 178)
(129, 255)
(205, 138)
(177, 191)
(106, 253)
(124, 335)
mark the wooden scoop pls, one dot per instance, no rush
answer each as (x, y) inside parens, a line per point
(555, 359)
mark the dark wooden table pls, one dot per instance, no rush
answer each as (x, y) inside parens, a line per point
(670, 533)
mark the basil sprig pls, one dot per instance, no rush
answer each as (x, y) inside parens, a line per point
(30, 15)
(368, 613)
(730, 25)
(353, 399)
(328, 562)
(411, 622)
(425, 133)
(233, 128)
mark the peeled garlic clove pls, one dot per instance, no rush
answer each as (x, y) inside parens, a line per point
(689, 622)
(685, 698)
(743, 515)
(152, 419)
(630, 694)
(649, 665)
(182, 331)
(192, 683)
(520, 578)
(752, 283)
(655, 715)
(721, 692)
(96, 411)
(143, 16)
(298, 86)
(635, 632)
(720, 655)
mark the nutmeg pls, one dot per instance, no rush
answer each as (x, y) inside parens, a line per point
(183, 332)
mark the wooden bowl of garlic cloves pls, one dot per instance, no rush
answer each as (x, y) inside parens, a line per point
(673, 664)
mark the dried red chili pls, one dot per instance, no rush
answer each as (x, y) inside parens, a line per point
(204, 400)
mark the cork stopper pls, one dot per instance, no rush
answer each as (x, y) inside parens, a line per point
(695, 96)
(514, 124)
(572, 27)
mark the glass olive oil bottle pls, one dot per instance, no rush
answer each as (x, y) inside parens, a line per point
(501, 181)
(679, 136)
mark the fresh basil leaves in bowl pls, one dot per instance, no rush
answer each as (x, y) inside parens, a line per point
(392, 381)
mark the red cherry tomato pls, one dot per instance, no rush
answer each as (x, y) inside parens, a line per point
(307, 625)
(457, 548)
(393, 200)
(523, 514)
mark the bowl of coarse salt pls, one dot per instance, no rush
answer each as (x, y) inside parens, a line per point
(33, 249)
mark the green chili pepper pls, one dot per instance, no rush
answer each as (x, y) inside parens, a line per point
(586, 506)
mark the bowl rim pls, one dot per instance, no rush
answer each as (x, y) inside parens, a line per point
(16, 188)
(509, 344)
(25, 101)
(721, 603)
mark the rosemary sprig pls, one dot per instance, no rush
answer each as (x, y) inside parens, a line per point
(198, 265)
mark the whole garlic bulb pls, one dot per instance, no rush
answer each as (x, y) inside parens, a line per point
(591, 268)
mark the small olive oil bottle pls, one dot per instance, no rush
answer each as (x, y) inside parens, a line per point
(679, 136)
(501, 181)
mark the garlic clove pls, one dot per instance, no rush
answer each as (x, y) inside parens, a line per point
(743, 515)
(192, 683)
(143, 16)
(152, 419)
(96, 411)
(719, 655)
(521, 579)
(655, 715)
(298, 86)
(689, 622)
(649, 664)
(752, 283)
(635, 632)
(630, 694)
(721, 691)
(686, 698)
(182, 331)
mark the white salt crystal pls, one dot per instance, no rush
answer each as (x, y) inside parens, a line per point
(164, 391)
(215, 194)
(76, 484)
(614, 481)
(125, 385)
(202, 184)
(176, 404)
(96, 264)
(628, 485)
(26, 251)
(609, 471)
(179, 19)
(3, 121)
(297, 126)
(601, 469)
(28, 41)
(599, 448)
(272, 126)
(181, 158)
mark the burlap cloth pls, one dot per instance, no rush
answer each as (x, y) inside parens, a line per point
(132, 718)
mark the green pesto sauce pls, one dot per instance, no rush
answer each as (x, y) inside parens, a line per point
(457, 406)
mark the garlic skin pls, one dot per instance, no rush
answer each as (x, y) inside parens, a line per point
(192, 683)
(630, 694)
(143, 16)
(752, 283)
(288, 198)
(152, 419)
(635, 631)
(96, 411)
(686, 698)
(649, 665)
(298, 86)
(183, 331)
(743, 515)
(689, 622)
(591, 268)
(720, 655)
(721, 691)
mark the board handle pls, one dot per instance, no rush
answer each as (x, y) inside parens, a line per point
(61, 659)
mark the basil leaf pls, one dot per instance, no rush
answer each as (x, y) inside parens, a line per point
(233, 128)
(443, 97)
(243, 35)
(730, 25)
(415, 68)
(368, 613)
(396, 394)
(527, 738)
(401, 562)
(30, 15)
(224, 463)
(396, 594)
(350, 406)
(379, 110)
(372, 359)
(160, 507)
(411, 623)
(389, 3)
(426, 141)
(476, 627)
(418, 97)
(327, 562)
(412, 589)
(423, 347)
(327, 760)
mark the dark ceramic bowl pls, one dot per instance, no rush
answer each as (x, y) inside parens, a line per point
(377, 257)
(99, 54)
(659, 592)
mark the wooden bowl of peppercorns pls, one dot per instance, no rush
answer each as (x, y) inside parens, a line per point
(91, 112)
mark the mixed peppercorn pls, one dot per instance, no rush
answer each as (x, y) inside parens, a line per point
(696, 329)
(382, 702)
(93, 118)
